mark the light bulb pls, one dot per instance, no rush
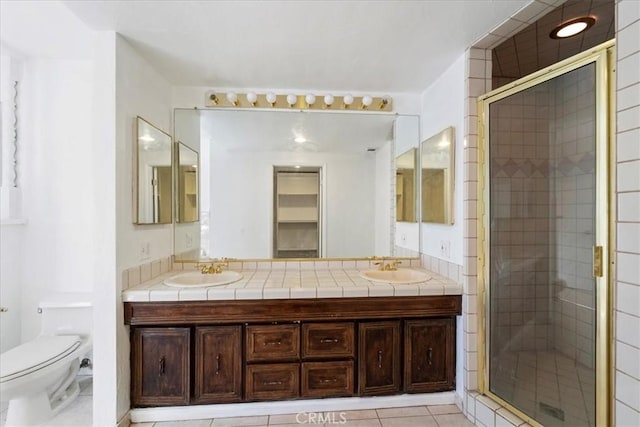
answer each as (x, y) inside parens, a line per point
(366, 101)
(252, 98)
(348, 100)
(310, 98)
(271, 98)
(291, 99)
(328, 100)
(232, 97)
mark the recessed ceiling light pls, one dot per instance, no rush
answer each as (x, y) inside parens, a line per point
(572, 27)
(300, 139)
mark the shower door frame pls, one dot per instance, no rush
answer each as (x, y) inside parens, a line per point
(603, 58)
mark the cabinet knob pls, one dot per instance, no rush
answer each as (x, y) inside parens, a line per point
(379, 358)
(277, 342)
(218, 364)
(430, 356)
(161, 366)
(272, 383)
(328, 380)
(329, 340)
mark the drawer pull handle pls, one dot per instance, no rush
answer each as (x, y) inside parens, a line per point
(379, 358)
(278, 342)
(329, 340)
(329, 380)
(218, 364)
(161, 366)
(272, 383)
(430, 356)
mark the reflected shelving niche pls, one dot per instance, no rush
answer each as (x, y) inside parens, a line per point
(296, 212)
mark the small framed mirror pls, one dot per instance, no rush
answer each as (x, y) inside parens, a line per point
(406, 165)
(187, 183)
(153, 175)
(438, 177)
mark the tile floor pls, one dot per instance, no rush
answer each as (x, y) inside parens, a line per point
(77, 414)
(415, 416)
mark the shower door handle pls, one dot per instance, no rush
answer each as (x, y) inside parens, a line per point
(597, 261)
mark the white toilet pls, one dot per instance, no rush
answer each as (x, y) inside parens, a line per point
(39, 377)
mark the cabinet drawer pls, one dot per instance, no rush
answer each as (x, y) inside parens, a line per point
(327, 379)
(272, 342)
(272, 381)
(327, 340)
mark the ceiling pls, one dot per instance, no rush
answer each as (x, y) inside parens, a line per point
(360, 46)
(532, 49)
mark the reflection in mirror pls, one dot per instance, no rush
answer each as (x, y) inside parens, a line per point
(406, 186)
(187, 184)
(239, 150)
(153, 174)
(438, 159)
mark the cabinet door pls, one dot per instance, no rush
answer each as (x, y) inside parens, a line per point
(429, 349)
(160, 366)
(379, 358)
(218, 360)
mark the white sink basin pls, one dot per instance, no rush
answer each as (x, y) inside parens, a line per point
(402, 275)
(195, 279)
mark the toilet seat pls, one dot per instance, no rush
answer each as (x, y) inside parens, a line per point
(35, 355)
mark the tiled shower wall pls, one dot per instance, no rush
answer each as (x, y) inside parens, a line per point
(627, 158)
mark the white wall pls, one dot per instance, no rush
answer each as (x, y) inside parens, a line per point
(443, 106)
(140, 91)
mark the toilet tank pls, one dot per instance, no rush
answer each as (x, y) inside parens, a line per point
(66, 313)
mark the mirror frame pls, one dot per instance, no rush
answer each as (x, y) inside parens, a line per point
(444, 138)
(179, 193)
(167, 139)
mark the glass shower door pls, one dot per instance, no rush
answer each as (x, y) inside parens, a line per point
(541, 227)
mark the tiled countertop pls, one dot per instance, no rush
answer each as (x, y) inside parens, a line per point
(269, 283)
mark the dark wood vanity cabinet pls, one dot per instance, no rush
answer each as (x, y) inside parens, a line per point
(379, 358)
(218, 364)
(429, 355)
(200, 352)
(160, 366)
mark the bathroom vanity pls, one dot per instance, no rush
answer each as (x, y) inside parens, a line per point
(358, 339)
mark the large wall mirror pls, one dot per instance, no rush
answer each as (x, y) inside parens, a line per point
(406, 182)
(153, 175)
(438, 177)
(187, 184)
(239, 151)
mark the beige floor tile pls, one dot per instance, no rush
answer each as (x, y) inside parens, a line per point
(411, 411)
(422, 421)
(283, 419)
(358, 423)
(452, 420)
(241, 421)
(443, 409)
(186, 423)
(362, 414)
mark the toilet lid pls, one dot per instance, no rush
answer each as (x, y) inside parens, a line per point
(36, 354)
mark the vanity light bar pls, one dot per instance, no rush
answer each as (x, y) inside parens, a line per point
(347, 102)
